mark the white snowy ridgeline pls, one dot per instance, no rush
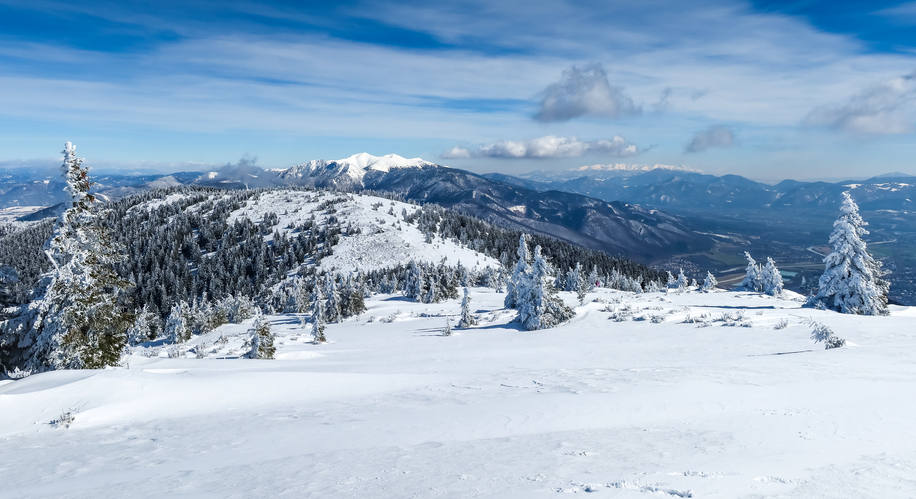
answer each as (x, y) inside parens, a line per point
(385, 239)
(353, 168)
(389, 407)
(852, 282)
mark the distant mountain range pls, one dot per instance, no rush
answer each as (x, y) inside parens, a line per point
(612, 209)
(684, 190)
(615, 227)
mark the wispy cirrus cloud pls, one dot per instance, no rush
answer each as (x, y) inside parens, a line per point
(882, 109)
(585, 92)
(714, 136)
(550, 146)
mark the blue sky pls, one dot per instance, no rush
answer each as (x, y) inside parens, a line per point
(765, 89)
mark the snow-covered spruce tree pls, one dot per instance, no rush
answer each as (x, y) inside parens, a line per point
(519, 275)
(852, 282)
(581, 293)
(682, 283)
(467, 318)
(672, 281)
(318, 315)
(538, 305)
(262, 339)
(752, 280)
(354, 302)
(710, 283)
(771, 279)
(78, 320)
(593, 280)
(413, 286)
(448, 328)
(145, 327)
(574, 279)
(332, 295)
(177, 325)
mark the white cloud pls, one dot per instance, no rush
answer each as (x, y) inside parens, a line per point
(550, 146)
(585, 92)
(714, 136)
(878, 110)
(456, 152)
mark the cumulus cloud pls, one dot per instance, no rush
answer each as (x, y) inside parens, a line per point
(877, 110)
(584, 92)
(550, 146)
(714, 136)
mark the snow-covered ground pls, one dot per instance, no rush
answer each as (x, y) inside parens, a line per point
(13, 213)
(390, 408)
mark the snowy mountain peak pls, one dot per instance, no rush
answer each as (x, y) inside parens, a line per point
(366, 161)
(350, 171)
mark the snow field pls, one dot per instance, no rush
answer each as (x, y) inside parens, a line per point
(390, 408)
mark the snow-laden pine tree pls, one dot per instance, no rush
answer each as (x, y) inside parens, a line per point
(78, 320)
(413, 285)
(519, 275)
(574, 279)
(177, 325)
(682, 283)
(593, 280)
(261, 339)
(145, 327)
(448, 327)
(538, 305)
(318, 315)
(332, 297)
(852, 282)
(709, 284)
(752, 280)
(771, 279)
(467, 317)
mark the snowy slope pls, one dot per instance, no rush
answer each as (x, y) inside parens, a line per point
(389, 408)
(385, 241)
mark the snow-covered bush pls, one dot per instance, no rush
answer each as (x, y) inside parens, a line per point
(822, 333)
(65, 419)
(781, 324)
(734, 319)
(237, 308)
